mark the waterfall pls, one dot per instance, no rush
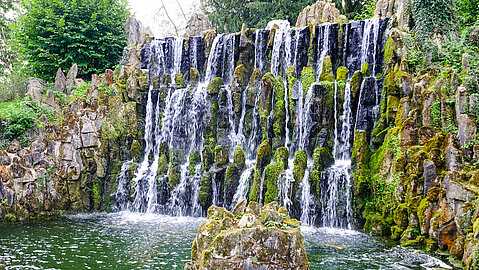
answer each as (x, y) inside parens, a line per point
(308, 215)
(260, 44)
(335, 192)
(175, 120)
(122, 192)
(286, 181)
(303, 125)
(323, 43)
(243, 187)
(276, 53)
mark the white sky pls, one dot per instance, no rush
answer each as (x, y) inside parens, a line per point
(150, 13)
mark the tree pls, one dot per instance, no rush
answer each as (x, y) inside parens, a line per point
(5, 7)
(57, 33)
(229, 15)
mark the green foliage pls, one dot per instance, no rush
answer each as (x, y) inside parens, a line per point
(468, 11)
(240, 215)
(433, 17)
(96, 194)
(229, 15)
(12, 86)
(367, 10)
(436, 113)
(52, 34)
(20, 116)
(5, 7)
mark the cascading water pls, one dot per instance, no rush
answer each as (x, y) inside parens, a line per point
(176, 118)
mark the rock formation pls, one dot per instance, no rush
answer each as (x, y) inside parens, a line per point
(197, 25)
(320, 12)
(72, 165)
(249, 237)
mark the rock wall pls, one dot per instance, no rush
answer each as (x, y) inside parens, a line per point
(72, 164)
(416, 180)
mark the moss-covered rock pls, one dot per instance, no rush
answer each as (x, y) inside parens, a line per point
(194, 77)
(215, 85)
(254, 195)
(279, 116)
(162, 165)
(272, 173)
(174, 176)
(308, 77)
(221, 155)
(263, 155)
(180, 80)
(221, 235)
(239, 158)
(207, 156)
(264, 104)
(194, 159)
(365, 69)
(356, 81)
(322, 158)
(342, 74)
(327, 74)
(205, 193)
(239, 79)
(166, 80)
(255, 78)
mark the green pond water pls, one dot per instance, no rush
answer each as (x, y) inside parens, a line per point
(145, 241)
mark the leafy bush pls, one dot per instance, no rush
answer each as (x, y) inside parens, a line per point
(469, 11)
(433, 17)
(53, 34)
(20, 116)
(367, 11)
(13, 86)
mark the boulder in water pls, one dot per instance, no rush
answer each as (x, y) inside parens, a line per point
(264, 238)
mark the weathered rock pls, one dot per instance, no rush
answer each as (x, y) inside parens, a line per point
(109, 76)
(34, 90)
(429, 175)
(454, 157)
(428, 98)
(454, 190)
(223, 242)
(71, 76)
(447, 234)
(320, 12)
(60, 81)
(50, 100)
(198, 24)
(466, 129)
(17, 171)
(243, 38)
(14, 147)
(131, 87)
(4, 175)
(136, 33)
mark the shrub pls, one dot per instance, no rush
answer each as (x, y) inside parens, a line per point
(20, 116)
(52, 34)
(13, 86)
(433, 16)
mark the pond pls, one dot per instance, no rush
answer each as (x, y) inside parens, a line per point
(127, 240)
